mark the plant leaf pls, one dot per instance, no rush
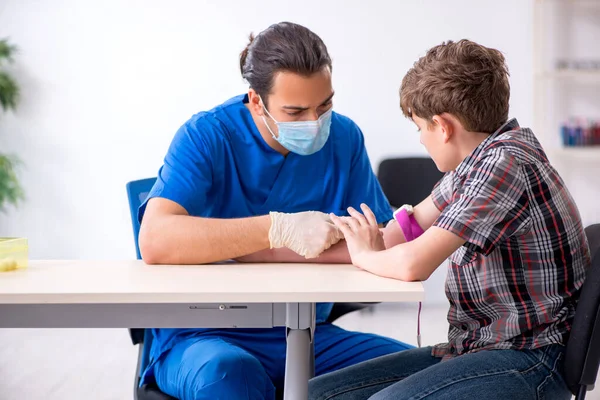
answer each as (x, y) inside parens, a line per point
(9, 91)
(10, 189)
(6, 51)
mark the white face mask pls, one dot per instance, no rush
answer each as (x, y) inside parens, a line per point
(302, 137)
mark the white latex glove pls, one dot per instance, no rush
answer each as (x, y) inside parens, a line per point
(306, 233)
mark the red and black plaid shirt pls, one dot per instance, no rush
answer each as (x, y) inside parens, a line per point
(515, 282)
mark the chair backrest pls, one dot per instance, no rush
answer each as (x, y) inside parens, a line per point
(582, 355)
(137, 191)
(593, 235)
(407, 180)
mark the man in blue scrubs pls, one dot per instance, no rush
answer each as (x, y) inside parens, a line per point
(253, 179)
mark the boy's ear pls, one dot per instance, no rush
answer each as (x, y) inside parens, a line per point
(446, 126)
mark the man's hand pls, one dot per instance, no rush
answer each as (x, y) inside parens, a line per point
(306, 233)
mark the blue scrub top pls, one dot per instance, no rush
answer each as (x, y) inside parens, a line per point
(219, 166)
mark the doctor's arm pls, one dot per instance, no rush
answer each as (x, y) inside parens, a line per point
(169, 235)
(336, 254)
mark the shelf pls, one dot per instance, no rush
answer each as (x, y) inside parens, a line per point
(583, 3)
(571, 74)
(590, 153)
(572, 3)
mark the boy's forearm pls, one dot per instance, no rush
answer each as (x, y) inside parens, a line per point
(395, 263)
(393, 235)
(415, 260)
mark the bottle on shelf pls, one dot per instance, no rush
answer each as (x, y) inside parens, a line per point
(577, 132)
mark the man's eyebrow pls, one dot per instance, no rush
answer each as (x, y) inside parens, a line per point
(298, 108)
(327, 100)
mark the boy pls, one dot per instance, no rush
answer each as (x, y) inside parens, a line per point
(512, 233)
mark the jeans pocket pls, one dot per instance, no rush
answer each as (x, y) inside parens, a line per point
(553, 386)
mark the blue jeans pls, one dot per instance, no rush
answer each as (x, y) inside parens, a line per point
(415, 374)
(249, 364)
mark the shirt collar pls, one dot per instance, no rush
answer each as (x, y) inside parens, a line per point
(465, 166)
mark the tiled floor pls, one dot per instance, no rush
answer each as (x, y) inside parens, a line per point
(98, 364)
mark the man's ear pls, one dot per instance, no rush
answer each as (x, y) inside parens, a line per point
(446, 126)
(254, 102)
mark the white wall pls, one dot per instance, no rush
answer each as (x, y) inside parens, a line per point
(568, 30)
(105, 84)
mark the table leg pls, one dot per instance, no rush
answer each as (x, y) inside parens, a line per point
(299, 362)
(297, 370)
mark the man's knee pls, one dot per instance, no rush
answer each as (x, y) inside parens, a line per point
(231, 374)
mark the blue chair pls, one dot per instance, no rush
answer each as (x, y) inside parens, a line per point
(137, 191)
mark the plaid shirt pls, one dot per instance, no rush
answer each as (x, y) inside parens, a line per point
(515, 282)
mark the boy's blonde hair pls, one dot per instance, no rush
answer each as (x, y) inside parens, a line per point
(463, 78)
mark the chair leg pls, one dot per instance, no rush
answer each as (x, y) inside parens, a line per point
(136, 380)
(581, 393)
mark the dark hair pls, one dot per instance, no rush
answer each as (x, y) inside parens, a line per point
(462, 78)
(282, 47)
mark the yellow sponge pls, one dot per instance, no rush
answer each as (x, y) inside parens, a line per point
(14, 254)
(8, 264)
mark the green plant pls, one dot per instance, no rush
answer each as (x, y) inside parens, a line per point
(10, 189)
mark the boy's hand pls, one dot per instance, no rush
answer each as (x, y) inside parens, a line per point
(361, 232)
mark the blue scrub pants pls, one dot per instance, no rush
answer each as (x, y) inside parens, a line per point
(249, 364)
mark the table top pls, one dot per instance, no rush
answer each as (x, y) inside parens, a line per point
(132, 281)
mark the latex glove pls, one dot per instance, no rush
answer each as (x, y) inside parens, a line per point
(306, 233)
